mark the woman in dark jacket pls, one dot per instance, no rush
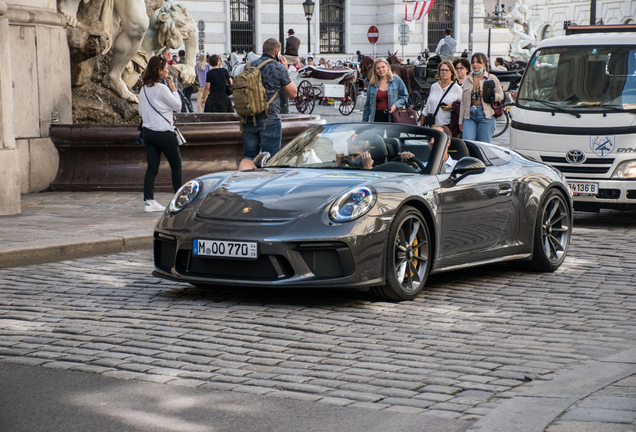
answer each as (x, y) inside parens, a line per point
(216, 84)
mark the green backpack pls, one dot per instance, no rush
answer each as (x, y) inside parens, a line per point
(250, 98)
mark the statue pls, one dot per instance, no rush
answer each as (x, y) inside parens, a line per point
(521, 45)
(125, 23)
(172, 26)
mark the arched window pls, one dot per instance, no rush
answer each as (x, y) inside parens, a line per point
(242, 25)
(629, 21)
(440, 18)
(547, 32)
(332, 26)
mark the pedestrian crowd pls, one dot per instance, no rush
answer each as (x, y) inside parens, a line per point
(455, 104)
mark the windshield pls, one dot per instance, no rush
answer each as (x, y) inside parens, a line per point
(581, 79)
(356, 146)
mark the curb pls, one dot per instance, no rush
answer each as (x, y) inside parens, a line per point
(46, 251)
(537, 406)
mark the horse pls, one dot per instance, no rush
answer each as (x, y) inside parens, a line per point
(406, 73)
(366, 65)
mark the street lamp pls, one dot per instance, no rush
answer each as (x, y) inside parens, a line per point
(308, 7)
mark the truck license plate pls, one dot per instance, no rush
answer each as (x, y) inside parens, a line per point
(230, 249)
(584, 188)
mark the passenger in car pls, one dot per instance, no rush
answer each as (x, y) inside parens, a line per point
(449, 162)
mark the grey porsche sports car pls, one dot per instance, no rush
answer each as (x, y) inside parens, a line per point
(374, 206)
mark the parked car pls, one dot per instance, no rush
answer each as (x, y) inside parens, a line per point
(321, 214)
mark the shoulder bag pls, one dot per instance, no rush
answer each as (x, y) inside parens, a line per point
(429, 120)
(177, 134)
(404, 116)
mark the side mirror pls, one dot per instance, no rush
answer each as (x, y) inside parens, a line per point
(489, 92)
(466, 166)
(261, 159)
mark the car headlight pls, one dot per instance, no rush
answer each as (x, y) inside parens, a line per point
(625, 170)
(352, 204)
(184, 196)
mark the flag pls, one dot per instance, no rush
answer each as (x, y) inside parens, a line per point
(418, 11)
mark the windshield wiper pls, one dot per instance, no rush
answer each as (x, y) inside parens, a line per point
(614, 108)
(552, 105)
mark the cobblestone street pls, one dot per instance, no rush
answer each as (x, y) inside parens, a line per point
(461, 348)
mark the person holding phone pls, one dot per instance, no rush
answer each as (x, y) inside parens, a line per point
(443, 93)
(156, 105)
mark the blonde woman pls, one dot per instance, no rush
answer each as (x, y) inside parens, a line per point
(202, 69)
(386, 93)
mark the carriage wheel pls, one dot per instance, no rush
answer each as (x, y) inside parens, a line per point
(415, 101)
(349, 101)
(305, 101)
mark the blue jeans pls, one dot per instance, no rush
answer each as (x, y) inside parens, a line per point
(478, 127)
(257, 139)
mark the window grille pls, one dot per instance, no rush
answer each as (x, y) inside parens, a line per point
(440, 18)
(242, 25)
(332, 26)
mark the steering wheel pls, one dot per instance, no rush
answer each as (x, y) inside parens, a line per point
(419, 163)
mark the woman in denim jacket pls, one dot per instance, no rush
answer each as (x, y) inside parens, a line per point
(385, 90)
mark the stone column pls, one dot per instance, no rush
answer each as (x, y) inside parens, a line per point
(9, 161)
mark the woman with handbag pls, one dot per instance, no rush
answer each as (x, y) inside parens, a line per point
(385, 94)
(156, 105)
(444, 92)
(476, 116)
(216, 87)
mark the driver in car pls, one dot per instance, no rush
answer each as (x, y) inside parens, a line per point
(449, 162)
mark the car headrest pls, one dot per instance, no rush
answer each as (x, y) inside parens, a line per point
(377, 149)
(458, 149)
(392, 147)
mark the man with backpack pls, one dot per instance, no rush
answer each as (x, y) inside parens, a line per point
(257, 101)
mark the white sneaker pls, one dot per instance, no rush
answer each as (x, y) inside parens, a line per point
(154, 207)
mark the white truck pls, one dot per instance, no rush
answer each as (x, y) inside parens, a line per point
(576, 110)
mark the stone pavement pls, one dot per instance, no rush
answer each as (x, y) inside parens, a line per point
(503, 350)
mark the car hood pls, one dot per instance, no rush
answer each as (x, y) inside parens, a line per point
(276, 194)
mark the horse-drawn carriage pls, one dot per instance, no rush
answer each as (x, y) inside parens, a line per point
(318, 83)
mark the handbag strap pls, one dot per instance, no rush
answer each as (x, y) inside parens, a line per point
(148, 100)
(443, 96)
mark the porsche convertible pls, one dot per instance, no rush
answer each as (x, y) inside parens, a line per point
(367, 206)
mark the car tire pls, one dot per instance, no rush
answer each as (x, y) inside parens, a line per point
(552, 233)
(407, 257)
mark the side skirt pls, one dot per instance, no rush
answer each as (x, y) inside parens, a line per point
(480, 263)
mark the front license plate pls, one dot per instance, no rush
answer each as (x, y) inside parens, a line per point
(584, 188)
(230, 249)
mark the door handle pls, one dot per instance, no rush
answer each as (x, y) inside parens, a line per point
(504, 191)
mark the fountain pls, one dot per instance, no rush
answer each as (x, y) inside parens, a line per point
(96, 151)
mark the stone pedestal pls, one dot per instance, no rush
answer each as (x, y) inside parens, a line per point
(9, 161)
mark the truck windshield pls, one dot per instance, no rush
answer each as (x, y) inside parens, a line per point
(581, 79)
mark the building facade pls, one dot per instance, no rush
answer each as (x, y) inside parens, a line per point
(339, 27)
